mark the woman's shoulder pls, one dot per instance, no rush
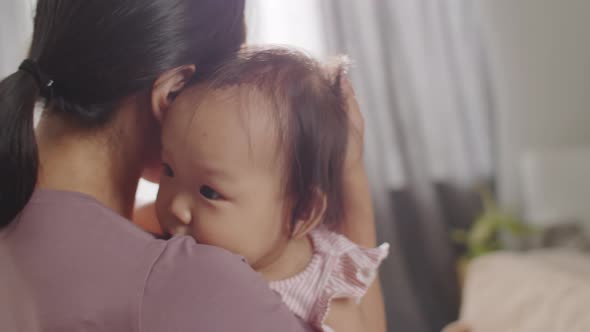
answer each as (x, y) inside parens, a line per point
(105, 270)
(103, 238)
(186, 253)
(197, 268)
(208, 288)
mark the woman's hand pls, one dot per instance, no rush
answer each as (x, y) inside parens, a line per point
(358, 224)
(457, 327)
(354, 153)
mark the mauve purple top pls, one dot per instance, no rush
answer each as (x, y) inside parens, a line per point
(89, 269)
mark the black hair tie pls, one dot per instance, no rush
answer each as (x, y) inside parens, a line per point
(43, 81)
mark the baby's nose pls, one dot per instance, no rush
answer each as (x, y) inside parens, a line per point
(181, 210)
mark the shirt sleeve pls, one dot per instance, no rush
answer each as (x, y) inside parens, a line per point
(194, 287)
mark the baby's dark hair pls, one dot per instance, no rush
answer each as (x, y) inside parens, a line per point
(309, 107)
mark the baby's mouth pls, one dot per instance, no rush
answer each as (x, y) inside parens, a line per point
(180, 230)
(184, 230)
(164, 236)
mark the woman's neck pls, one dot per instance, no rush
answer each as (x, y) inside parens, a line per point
(91, 164)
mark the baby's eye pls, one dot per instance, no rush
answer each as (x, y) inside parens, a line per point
(209, 193)
(168, 170)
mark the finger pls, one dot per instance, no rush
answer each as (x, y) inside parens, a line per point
(352, 105)
(457, 327)
(347, 88)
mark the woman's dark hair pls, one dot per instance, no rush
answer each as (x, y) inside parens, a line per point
(94, 53)
(308, 105)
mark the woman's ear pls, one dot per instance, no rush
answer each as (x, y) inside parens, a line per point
(312, 217)
(167, 87)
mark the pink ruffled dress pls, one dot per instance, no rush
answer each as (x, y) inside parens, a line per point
(338, 269)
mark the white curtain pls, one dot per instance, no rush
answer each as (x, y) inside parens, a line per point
(295, 23)
(425, 59)
(442, 82)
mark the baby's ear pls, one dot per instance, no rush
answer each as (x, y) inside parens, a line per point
(312, 216)
(167, 87)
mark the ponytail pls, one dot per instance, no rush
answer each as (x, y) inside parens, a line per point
(18, 147)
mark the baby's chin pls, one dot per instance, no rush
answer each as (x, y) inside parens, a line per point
(186, 231)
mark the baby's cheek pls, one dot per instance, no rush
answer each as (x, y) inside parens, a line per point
(263, 242)
(226, 232)
(262, 235)
(207, 229)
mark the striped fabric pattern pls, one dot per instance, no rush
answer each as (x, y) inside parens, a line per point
(338, 269)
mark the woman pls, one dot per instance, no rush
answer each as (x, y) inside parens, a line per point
(109, 70)
(17, 312)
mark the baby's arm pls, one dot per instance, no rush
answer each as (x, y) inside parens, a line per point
(359, 221)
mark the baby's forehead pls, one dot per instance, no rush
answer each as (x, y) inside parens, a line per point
(235, 119)
(244, 104)
(247, 96)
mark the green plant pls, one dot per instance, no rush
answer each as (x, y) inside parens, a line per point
(484, 235)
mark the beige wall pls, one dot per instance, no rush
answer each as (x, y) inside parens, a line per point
(540, 54)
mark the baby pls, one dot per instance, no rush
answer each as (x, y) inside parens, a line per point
(253, 163)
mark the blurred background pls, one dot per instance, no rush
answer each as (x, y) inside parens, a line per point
(477, 139)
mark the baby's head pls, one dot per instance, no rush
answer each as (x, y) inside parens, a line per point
(254, 154)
